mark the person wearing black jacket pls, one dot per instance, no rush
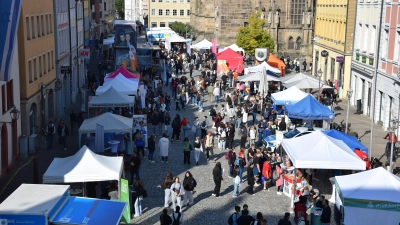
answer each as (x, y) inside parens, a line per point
(166, 185)
(167, 122)
(217, 176)
(151, 146)
(231, 161)
(135, 165)
(230, 135)
(254, 107)
(160, 123)
(154, 121)
(245, 218)
(326, 213)
(176, 127)
(250, 179)
(165, 219)
(188, 185)
(244, 135)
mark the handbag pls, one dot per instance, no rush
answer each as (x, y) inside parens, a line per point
(188, 127)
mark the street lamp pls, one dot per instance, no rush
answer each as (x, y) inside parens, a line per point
(14, 113)
(349, 94)
(319, 74)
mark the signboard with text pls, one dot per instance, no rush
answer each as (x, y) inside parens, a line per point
(124, 197)
(84, 53)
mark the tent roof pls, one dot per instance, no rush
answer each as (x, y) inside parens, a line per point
(256, 77)
(288, 96)
(112, 123)
(233, 59)
(349, 140)
(124, 72)
(175, 38)
(275, 62)
(305, 83)
(319, 151)
(377, 184)
(204, 44)
(120, 83)
(235, 48)
(84, 166)
(294, 77)
(309, 109)
(112, 98)
(259, 68)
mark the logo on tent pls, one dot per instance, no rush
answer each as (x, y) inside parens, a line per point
(3, 222)
(287, 103)
(370, 205)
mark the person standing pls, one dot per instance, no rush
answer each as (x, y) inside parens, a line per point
(177, 216)
(187, 147)
(197, 149)
(197, 125)
(164, 218)
(243, 136)
(233, 218)
(154, 122)
(176, 128)
(236, 181)
(72, 121)
(254, 109)
(191, 67)
(50, 130)
(189, 183)
(135, 165)
(167, 122)
(267, 173)
(210, 90)
(279, 181)
(326, 213)
(209, 144)
(230, 136)
(216, 93)
(184, 125)
(245, 218)
(231, 161)
(217, 177)
(250, 179)
(163, 145)
(166, 185)
(63, 133)
(285, 220)
(138, 190)
(203, 127)
(151, 146)
(176, 193)
(139, 142)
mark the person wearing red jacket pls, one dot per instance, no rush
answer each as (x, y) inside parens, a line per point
(267, 173)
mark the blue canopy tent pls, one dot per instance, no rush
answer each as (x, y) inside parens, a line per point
(349, 140)
(309, 109)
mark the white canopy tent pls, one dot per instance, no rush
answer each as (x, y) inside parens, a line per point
(235, 48)
(174, 38)
(112, 98)
(294, 77)
(369, 198)
(288, 96)
(306, 83)
(108, 79)
(120, 83)
(256, 77)
(204, 44)
(259, 68)
(320, 151)
(112, 123)
(84, 166)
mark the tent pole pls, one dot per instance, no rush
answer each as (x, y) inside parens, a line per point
(294, 192)
(83, 189)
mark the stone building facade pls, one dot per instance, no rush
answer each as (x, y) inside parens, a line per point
(293, 19)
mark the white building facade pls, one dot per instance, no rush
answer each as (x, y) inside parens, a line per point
(134, 10)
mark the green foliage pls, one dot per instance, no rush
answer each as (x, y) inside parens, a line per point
(253, 36)
(180, 28)
(120, 8)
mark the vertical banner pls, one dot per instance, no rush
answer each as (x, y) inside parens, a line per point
(189, 47)
(165, 72)
(214, 46)
(99, 139)
(124, 197)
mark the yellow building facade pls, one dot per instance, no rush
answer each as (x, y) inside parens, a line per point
(37, 68)
(163, 13)
(334, 28)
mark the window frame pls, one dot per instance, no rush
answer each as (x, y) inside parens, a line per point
(160, 12)
(153, 12)
(169, 12)
(181, 12)
(175, 11)
(297, 7)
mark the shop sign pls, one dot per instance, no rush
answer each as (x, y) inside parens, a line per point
(339, 59)
(324, 53)
(372, 204)
(124, 197)
(364, 60)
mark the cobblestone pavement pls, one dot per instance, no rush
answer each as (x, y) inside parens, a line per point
(207, 209)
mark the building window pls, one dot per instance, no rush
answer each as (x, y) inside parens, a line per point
(365, 38)
(52, 59)
(28, 28)
(33, 27)
(174, 1)
(396, 47)
(10, 94)
(162, 24)
(167, 12)
(38, 26)
(296, 11)
(34, 69)
(166, 1)
(3, 98)
(40, 66)
(181, 12)
(48, 62)
(153, 0)
(188, 1)
(30, 72)
(182, 1)
(47, 24)
(291, 43)
(188, 12)
(385, 43)
(160, 12)
(153, 24)
(170, 24)
(42, 22)
(174, 12)
(44, 63)
(159, 0)
(50, 22)
(372, 40)
(153, 12)
(298, 43)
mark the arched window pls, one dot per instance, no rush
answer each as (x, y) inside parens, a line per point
(298, 43)
(291, 43)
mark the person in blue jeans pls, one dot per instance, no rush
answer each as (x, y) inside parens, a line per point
(236, 181)
(240, 164)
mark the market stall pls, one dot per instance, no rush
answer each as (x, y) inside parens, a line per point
(112, 98)
(232, 59)
(174, 39)
(296, 77)
(122, 71)
(309, 109)
(256, 77)
(288, 97)
(204, 44)
(349, 140)
(38, 204)
(275, 62)
(120, 83)
(262, 66)
(234, 47)
(369, 198)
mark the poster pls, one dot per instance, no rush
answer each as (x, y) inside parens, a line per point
(140, 123)
(124, 197)
(125, 35)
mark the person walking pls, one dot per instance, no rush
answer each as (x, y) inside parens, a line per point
(250, 179)
(216, 93)
(326, 213)
(197, 149)
(166, 185)
(50, 131)
(155, 121)
(217, 177)
(176, 128)
(163, 145)
(151, 146)
(176, 193)
(279, 181)
(253, 135)
(185, 124)
(267, 173)
(197, 128)
(63, 133)
(138, 190)
(230, 136)
(139, 142)
(203, 127)
(167, 122)
(210, 90)
(187, 147)
(209, 144)
(191, 67)
(135, 165)
(189, 183)
(177, 216)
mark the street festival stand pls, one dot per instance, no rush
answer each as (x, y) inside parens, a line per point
(112, 123)
(111, 98)
(316, 151)
(233, 60)
(262, 66)
(38, 204)
(140, 123)
(174, 39)
(204, 44)
(368, 198)
(289, 96)
(122, 71)
(120, 83)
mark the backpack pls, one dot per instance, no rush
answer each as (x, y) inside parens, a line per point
(176, 221)
(223, 134)
(183, 97)
(237, 161)
(212, 112)
(194, 182)
(230, 219)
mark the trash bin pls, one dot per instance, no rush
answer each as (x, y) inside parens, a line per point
(316, 213)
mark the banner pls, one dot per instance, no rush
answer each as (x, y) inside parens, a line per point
(221, 66)
(133, 60)
(214, 46)
(124, 197)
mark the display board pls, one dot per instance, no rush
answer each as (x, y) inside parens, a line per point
(124, 197)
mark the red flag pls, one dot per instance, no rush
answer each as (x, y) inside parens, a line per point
(214, 46)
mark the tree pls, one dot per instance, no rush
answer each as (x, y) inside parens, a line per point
(180, 28)
(120, 8)
(253, 36)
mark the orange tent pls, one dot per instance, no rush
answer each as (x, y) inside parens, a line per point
(275, 62)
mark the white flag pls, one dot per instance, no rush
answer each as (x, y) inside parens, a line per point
(131, 55)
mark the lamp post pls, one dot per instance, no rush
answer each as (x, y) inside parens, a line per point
(349, 94)
(319, 74)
